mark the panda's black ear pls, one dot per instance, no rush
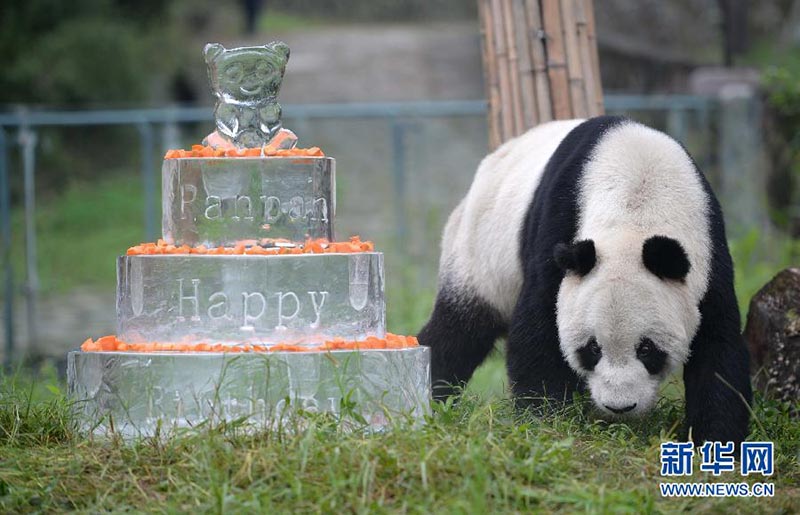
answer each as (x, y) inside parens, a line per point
(578, 257)
(665, 258)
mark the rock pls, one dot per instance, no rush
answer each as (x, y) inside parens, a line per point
(773, 336)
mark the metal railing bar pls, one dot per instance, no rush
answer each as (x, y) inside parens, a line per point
(443, 108)
(28, 139)
(8, 275)
(656, 102)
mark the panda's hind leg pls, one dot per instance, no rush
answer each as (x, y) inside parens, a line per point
(460, 333)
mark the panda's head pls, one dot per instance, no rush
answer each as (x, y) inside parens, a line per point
(625, 316)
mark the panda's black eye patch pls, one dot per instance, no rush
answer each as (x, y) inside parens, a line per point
(589, 355)
(651, 356)
(665, 258)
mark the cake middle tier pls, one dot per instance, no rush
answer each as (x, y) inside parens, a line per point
(220, 201)
(298, 299)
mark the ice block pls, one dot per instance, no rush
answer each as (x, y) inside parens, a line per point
(298, 299)
(221, 201)
(140, 394)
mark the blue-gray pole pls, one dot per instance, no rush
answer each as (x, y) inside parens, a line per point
(27, 139)
(8, 271)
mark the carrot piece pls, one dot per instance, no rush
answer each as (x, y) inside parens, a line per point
(106, 343)
(313, 247)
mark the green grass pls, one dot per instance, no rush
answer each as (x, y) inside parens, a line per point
(477, 456)
(80, 232)
(757, 259)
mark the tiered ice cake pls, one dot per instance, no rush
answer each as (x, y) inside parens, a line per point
(247, 306)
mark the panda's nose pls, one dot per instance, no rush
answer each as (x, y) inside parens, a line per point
(621, 410)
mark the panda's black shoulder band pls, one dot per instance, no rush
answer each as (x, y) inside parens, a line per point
(578, 257)
(665, 258)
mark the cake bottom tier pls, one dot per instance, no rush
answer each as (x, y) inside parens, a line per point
(149, 394)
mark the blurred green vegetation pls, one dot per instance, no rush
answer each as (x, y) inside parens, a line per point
(779, 62)
(81, 231)
(782, 83)
(280, 21)
(757, 258)
(85, 54)
(79, 52)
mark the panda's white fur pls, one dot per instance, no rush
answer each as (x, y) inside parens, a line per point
(637, 183)
(483, 232)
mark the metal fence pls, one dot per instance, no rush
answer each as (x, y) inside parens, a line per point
(678, 115)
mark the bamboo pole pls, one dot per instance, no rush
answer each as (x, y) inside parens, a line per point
(536, 36)
(556, 59)
(526, 67)
(490, 74)
(503, 72)
(515, 88)
(585, 59)
(540, 63)
(594, 59)
(577, 89)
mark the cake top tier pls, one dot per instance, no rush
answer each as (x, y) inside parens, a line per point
(270, 190)
(216, 202)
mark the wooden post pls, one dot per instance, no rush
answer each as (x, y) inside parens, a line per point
(540, 63)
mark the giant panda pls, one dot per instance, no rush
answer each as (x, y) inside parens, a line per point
(597, 248)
